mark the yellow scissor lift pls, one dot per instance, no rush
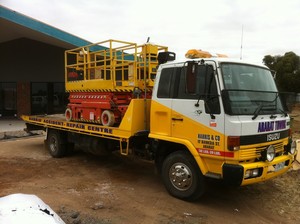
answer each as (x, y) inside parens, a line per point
(107, 67)
(111, 65)
(103, 78)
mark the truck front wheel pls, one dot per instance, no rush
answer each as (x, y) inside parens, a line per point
(182, 176)
(56, 143)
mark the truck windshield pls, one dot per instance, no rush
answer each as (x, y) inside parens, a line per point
(249, 90)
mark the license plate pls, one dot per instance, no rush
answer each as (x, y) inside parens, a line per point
(279, 166)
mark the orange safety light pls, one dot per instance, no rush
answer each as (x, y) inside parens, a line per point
(194, 53)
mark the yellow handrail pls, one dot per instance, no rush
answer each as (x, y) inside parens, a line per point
(112, 64)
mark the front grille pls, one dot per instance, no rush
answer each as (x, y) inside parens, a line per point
(249, 154)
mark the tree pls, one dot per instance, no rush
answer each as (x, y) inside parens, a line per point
(287, 68)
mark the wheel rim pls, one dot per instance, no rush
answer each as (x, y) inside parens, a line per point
(105, 119)
(68, 115)
(53, 144)
(181, 176)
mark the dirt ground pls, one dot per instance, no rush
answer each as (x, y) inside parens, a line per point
(84, 189)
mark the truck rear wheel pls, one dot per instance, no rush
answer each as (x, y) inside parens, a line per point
(56, 143)
(182, 176)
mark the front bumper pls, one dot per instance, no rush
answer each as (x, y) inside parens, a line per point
(235, 174)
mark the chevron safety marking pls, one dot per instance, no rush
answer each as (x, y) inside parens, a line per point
(87, 121)
(105, 90)
(100, 90)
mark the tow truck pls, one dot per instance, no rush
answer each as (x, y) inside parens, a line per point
(208, 116)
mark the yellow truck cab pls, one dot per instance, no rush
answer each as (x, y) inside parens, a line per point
(220, 118)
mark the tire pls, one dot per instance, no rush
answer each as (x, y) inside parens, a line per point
(107, 118)
(57, 143)
(182, 176)
(68, 114)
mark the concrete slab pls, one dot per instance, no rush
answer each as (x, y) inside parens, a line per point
(8, 125)
(14, 128)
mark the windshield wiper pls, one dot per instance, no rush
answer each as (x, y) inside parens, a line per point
(284, 113)
(280, 111)
(256, 112)
(206, 99)
(261, 106)
(199, 98)
(258, 109)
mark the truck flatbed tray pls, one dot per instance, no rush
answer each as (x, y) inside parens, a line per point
(58, 121)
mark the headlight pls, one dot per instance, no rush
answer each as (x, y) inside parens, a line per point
(293, 147)
(269, 153)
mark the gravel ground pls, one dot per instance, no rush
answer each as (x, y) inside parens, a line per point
(85, 189)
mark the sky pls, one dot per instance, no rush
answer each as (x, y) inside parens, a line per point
(247, 29)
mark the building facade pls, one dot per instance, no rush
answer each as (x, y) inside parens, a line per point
(32, 78)
(32, 65)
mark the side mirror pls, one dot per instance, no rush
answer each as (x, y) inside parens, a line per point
(164, 57)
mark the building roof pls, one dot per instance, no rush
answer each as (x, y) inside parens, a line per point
(15, 25)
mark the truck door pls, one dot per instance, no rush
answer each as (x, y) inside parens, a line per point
(196, 113)
(160, 117)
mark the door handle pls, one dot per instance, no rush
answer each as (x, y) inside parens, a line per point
(177, 119)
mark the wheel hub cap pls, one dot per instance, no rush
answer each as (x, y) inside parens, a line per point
(180, 176)
(53, 144)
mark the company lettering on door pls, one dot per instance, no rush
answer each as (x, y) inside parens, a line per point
(209, 141)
